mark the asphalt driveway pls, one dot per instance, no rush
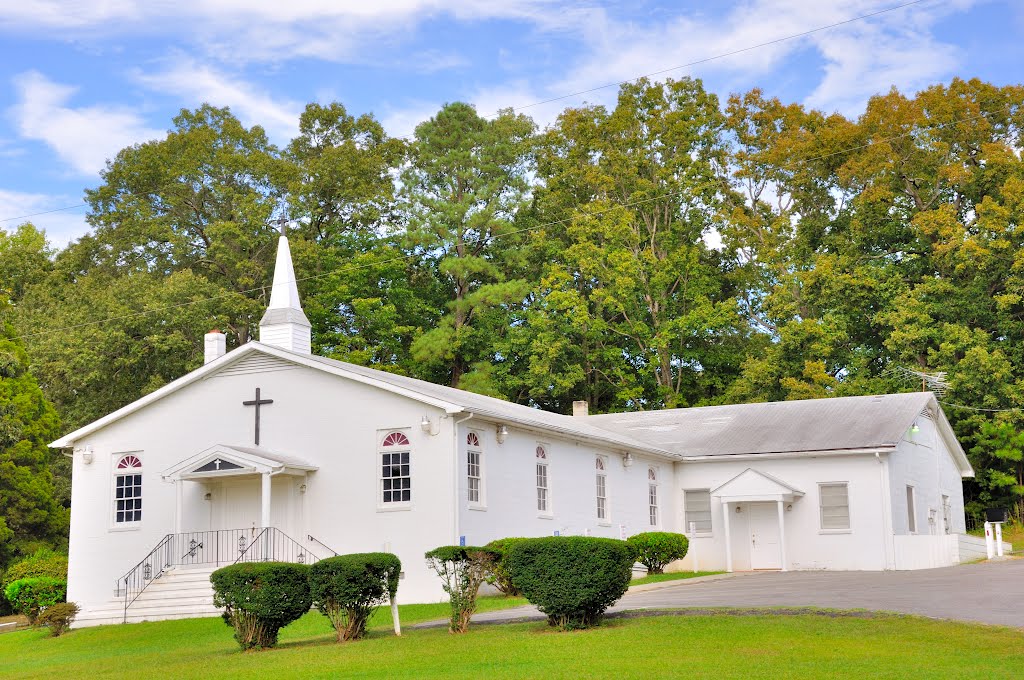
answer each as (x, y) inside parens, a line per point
(988, 592)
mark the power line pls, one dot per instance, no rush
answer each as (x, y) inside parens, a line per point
(976, 408)
(723, 55)
(537, 227)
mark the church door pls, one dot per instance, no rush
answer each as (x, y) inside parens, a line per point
(764, 536)
(240, 504)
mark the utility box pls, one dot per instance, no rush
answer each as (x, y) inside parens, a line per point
(996, 515)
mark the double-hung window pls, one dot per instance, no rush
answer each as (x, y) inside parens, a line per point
(697, 510)
(652, 496)
(395, 470)
(602, 490)
(835, 506)
(128, 490)
(911, 511)
(474, 470)
(543, 482)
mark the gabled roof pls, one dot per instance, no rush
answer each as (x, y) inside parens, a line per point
(449, 399)
(238, 459)
(838, 424)
(754, 485)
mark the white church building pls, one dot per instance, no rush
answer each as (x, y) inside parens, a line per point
(271, 453)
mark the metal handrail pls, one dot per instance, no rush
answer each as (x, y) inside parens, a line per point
(273, 545)
(145, 572)
(310, 537)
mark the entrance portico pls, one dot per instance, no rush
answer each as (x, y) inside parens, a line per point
(766, 500)
(234, 469)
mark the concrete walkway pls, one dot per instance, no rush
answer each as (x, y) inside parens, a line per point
(988, 592)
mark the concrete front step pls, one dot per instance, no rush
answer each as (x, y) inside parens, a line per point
(177, 594)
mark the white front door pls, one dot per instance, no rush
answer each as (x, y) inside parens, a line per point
(764, 536)
(239, 504)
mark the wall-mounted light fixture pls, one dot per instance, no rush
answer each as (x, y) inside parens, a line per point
(428, 426)
(739, 509)
(627, 459)
(915, 428)
(207, 496)
(425, 424)
(302, 488)
(789, 507)
(501, 433)
(87, 455)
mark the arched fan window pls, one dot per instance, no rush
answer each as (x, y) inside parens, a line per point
(472, 439)
(541, 453)
(396, 474)
(128, 490)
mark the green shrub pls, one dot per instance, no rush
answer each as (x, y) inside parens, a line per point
(348, 588)
(261, 598)
(572, 579)
(655, 549)
(58, 617)
(499, 576)
(463, 569)
(30, 595)
(44, 562)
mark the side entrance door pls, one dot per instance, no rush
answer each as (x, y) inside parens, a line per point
(764, 536)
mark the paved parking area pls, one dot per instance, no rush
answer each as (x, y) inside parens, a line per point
(988, 592)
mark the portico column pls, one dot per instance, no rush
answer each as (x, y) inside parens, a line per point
(728, 540)
(782, 535)
(265, 500)
(178, 493)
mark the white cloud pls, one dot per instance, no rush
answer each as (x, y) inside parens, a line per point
(61, 226)
(197, 83)
(83, 137)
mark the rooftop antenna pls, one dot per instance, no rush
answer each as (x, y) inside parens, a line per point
(930, 382)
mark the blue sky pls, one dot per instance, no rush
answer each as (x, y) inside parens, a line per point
(80, 79)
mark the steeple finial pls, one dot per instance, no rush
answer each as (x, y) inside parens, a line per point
(285, 324)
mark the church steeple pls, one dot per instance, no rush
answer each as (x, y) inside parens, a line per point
(285, 324)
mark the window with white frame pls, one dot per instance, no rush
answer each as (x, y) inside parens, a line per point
(543, 488)
(395, 471)
(834, 500)
(911, 511)
(602, 490)
(128, 490)
(697, 510)
(652, 496)
(947, 515)
(474, 469)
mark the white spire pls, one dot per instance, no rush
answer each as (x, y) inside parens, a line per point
(285, 324)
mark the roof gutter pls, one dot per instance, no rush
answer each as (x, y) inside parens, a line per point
(876, 450)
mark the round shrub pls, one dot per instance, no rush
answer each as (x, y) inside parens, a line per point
(28, 596)
(572, 579)
(348, 588)
(58, 617)
(44, 562)
(655, 549)
(499, 576)
(261, 598)
(462, 569)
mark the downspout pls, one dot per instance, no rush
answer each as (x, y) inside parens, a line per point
(888, 546)
(455, 477)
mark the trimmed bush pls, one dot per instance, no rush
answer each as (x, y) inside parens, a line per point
(499, 576)
(28, 596)
(261, 598)
(655, 549)
(463, 569)
(58, 617)
(43, 562)
(347, 589)
(572, 579)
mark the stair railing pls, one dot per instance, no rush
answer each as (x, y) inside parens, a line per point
(273, 545)
(314, 539)
(145, 572)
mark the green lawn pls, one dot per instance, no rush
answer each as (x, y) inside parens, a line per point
(673, 576)
(1012, 534)
(720, 646)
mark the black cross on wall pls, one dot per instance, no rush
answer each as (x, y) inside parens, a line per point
(257, 402)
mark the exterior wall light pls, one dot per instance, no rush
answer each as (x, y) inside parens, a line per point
(915, 428)
(87, 455)
(627, 459)
(425, 424)
(501, 433)
(739, 509)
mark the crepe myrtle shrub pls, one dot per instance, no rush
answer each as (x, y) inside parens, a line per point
(58, 617)
(572, 579)
(655, 549)
(347, 589)
(462, 569)
(29, 596)
(261, 598)
(499, 576)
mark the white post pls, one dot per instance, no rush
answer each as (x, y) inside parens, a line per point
(693, 553)
(782, 536)
(989, 548)
(394, 616)
(265, 501)
(728, 541)
(178, 494)
(999, 539)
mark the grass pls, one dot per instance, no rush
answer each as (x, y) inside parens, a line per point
(1013, 533)
(699, 646)
(671, 576)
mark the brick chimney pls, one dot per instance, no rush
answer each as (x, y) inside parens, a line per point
(215, 345)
